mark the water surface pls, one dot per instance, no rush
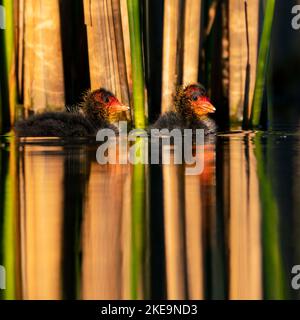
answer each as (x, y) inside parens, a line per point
(73, 229)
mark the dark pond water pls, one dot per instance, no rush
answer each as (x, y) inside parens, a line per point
(71, 228)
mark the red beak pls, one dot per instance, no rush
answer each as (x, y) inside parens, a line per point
(117, 106)
(204, 106)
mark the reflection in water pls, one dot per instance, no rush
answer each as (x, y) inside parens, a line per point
(9, 222)
(244, 222)
(74, 229)
(105, 244)
(173, 187)
(41, 218)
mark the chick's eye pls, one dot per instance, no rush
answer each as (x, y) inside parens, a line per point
(106, 99)
(195, 97)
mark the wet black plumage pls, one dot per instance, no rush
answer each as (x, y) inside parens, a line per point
(58, 124)
(173, 120)
(191, 111)
(82, 120)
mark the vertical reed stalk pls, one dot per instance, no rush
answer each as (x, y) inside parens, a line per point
(107, 59)
(245, 123)
(140, 120)
(192, 29)
(19, 35)
(238, 59)
(262, 65)
(43, 63)
(126, 37)
(7, 68)
(170, 52)
(121, 57)
(3, 113)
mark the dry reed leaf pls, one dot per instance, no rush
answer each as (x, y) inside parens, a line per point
(107, 57)
(238, 54)
(43, 63)
(170, 52)
(192, 30)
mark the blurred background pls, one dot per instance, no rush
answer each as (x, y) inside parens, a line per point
(73, 229)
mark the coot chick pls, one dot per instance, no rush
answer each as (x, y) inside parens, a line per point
(97, 111)
(192, 107)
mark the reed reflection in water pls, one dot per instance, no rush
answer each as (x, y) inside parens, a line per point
(74, 229)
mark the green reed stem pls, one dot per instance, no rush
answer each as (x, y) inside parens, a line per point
(140, 120)
(262, 65)
(7, 65)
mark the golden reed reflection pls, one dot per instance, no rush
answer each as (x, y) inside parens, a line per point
(244, 222)
(41, 216)
(105, 243)
(211, 239)
(185, 200)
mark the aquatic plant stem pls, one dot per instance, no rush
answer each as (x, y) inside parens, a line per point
(7, 68)
(245, 123)
(262, 65)
(140, 120)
